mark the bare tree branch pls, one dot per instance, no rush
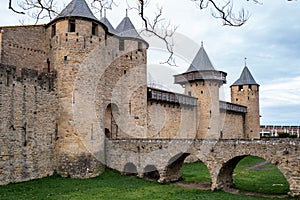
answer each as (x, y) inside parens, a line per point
(41, 9)
(37, 9)
(102, 5)
(162, 31)
(225, 12)
(12, 8)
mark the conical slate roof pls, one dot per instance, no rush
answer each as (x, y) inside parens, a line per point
(201, 62)
(76, 8)
(126, 29)
(110, 28)
(246, 78)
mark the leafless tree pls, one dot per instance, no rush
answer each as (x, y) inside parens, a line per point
(158, 26)
(37, 9)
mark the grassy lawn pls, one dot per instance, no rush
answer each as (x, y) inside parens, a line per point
(111, 185)
(195, 172)
(267, 181)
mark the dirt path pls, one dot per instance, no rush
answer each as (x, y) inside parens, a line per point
(206, 186)
(259, 166)
(200, 186)
(236, 191)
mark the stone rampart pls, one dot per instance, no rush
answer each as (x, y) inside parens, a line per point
(24, 47)
(27, 125)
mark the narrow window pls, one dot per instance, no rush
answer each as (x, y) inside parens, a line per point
(7, 78)
(94, 29)
(249, 87)
(241, 88)
(190, 93)
(72, 25)
(53, 30)
(121, 45)
(129, 108)
(48, 64)
(140, 47)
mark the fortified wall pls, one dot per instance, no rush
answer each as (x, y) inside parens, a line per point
(89, 87)
(171, 115)
(23, 47)
(28, 126)
(232, 114)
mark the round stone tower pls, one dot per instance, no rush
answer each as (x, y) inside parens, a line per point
(96, 66)
(71, 37)
(245, 91)
(202, 81)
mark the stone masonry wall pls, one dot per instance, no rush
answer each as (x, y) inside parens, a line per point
(167, 120)
(27, 125)
(1, 44)
(123, 84)
(232, 126)
(23, 47)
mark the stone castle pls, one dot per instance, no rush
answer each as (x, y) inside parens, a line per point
(68, 86)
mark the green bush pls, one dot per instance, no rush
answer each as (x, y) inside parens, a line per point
(283, 135)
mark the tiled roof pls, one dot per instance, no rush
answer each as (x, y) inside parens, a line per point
(126, 29)
(76, 8)
(246, 78)
(110, 28)
(201, 62)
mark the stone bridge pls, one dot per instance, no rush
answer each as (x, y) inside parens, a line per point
(161, 159)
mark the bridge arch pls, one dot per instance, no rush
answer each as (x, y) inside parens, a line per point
(150, 172)
(130, 169)
(173, 168)
(224, 178)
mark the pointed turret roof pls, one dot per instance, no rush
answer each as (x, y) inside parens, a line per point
(76, 8)
(201, 69)
(201, 61)
(126, 29)
(246, 78)
(106, 22)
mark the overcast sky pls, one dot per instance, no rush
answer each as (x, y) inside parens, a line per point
(270, 40)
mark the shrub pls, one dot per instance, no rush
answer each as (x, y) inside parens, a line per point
(283, 135)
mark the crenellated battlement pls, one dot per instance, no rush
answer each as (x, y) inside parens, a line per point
(42, 81)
